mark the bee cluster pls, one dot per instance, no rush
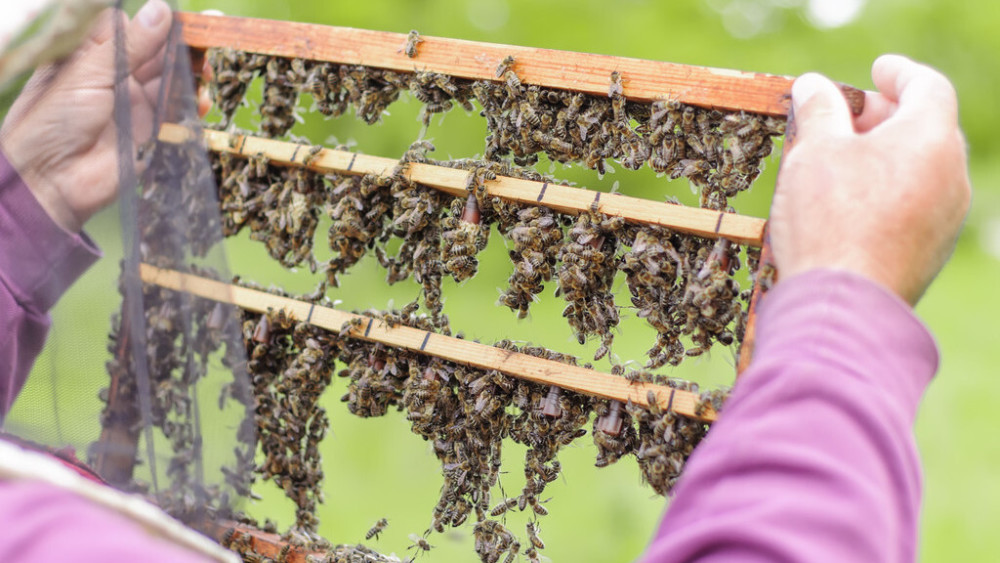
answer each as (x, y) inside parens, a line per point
(682, 285)
(176, 337)
(332, 87)
(290, 367)
(280, 205)
(718, 152)
(465, 412)
(586, 275)
(536, 238)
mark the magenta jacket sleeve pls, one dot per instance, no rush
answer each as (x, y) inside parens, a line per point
(813, 457)
(38, 262)
(39, 523)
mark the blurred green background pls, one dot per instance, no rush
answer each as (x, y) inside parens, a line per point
(376, 468)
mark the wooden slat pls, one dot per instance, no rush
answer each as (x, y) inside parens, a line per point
(260, 542)
(482, 356)
(692, 220)
(115, 460)
(642, 80)
(766, 258)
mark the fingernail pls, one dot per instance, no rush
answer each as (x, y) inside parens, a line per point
(805, 87)
(152, 13)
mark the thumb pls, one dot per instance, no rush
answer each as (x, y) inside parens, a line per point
(820, 107)
(147, 32)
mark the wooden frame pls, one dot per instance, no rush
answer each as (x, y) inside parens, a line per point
(642, 80)
(266, 544)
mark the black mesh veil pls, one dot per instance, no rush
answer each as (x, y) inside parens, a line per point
(146, 384)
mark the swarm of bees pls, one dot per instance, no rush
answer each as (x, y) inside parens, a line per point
(682, 285)
(280, 205)
(155, 368)
(537, 239)
(290, 364)
(587, 272)
(719, 153)
(465, 412)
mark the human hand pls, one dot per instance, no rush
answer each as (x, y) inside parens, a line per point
(883, 194)
(63, 144)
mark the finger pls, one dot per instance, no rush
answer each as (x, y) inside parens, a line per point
(920, 91)
(820, 107)
(878, 108)
(204, 101)
(206, 72)
(147, 33)
(103, 30)
(152, 68)
(143, 102)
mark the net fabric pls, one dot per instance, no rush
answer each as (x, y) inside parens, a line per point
(150, 384)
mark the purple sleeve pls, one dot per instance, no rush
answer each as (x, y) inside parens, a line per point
(38, 262)
(813, 458)
(42, 524)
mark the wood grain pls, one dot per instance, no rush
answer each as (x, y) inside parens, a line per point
(642, 80)
(466, 352)
(692, 220)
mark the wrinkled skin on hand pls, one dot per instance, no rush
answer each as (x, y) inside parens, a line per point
(883, 194)
(62, 140)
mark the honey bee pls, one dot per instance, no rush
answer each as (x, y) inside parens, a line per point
(615, 90)
(312, 155)
(505, 66)
(504, 506)
(537, 507)
(420, 543)
(533, 536)
(377, 529)
(412, 40)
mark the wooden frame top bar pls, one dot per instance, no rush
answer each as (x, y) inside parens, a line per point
(741, 229)
(522, 366)
(642, 80)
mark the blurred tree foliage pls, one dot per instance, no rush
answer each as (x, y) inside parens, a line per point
(376, 468)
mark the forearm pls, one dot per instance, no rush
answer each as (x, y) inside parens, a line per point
(813, 457)
(38, 262)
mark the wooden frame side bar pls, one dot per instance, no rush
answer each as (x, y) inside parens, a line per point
(741, 229)
(642, 80)
(267, 544)
(522, 366)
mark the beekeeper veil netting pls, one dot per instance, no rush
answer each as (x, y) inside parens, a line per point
(146, 384)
